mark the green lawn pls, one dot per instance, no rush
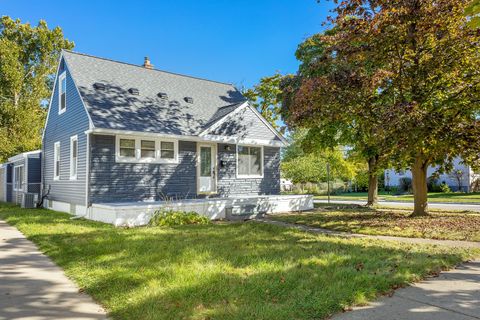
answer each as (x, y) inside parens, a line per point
(459, 197)
(224, 270)
(391, 222)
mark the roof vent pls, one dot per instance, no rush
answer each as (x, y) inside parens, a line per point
(162, 95)
(134, 91)
(99, 86)
(174, 103)
(188, 99)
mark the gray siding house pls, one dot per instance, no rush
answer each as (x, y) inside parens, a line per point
(121, 135)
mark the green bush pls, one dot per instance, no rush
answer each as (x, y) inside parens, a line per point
(432, 184)
(445, 188)
(405, 184)
(177, 218)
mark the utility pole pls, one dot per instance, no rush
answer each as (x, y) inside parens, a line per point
(328, 181)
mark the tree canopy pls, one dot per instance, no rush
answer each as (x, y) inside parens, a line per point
(403, 75)
(28, 59)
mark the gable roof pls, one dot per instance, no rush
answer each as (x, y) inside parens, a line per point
(116, 108)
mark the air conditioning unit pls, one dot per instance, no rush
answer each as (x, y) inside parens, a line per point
(29, 200)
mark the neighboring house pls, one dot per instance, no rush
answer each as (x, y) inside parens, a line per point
(454, 181)
(118, 135)
(19, 176)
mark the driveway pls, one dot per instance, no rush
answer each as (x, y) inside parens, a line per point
(399, 204)
(32, 287)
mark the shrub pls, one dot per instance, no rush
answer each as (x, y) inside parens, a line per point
(432, 184)
(445, 188)
(405, 184)
(176, 218)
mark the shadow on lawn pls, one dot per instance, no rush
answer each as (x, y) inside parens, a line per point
(229, 271)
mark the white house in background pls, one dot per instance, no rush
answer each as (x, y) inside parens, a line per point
(392, 177)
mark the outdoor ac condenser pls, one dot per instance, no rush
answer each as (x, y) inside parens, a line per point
(29, 200)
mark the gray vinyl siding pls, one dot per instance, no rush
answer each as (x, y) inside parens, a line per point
(74, 121)
(245, 124)
(230, 185)
(121, 182)
(116, 182)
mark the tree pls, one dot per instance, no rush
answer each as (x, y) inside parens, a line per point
(473, 13)
(28, 57)
(317, 98)
(411, 66)
(265, 98)
(458, 176)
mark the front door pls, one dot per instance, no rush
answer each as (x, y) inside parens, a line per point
(207, 159)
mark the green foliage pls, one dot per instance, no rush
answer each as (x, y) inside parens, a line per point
(265, 97)
(473, 13)
(445, 188)
(28, 60)
(405, 184)
(168, 218)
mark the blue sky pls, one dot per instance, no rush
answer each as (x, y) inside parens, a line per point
(231, 41)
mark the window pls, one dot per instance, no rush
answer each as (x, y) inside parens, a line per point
(18, 178)
(149, 150)
(62, 93)
(127, 148)
(56, 161)
(167, 150)
(73, 157)
(249, 161)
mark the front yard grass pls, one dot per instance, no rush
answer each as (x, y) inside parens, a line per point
(391, 222)
(225, 270)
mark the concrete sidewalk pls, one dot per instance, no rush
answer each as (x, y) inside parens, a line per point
(400, 204)
(32, 287)
(454, 295)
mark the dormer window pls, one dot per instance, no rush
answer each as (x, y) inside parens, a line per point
(62, 93)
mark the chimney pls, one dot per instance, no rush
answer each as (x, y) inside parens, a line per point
(147, 64)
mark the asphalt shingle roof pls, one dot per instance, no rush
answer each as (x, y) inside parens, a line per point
(116, 108)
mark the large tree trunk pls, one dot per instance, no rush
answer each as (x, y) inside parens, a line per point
(372, 182)
(420, 190)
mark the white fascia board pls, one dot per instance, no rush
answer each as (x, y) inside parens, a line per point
(51, 96)
(90, 122)
(22, 155)
(222, 120)
(206, 138)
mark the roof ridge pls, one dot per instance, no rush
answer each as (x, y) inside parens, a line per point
(157, 70)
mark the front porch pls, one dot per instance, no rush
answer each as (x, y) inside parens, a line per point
(139, 213)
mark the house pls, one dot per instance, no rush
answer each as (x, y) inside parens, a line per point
(461, 178)
(123, 140)
(20, 176)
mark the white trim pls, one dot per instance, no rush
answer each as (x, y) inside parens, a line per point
(90, 122)
(22, 156)
(56, 175)
(249, 176)
(51, 96)
(206, 138)
(14, 183)
(222, 120)
(214, 163)
(285, 142)
(137, 158)
(87, 170)
(62, 77)
(73, 176)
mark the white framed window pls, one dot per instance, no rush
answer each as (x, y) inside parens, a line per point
(18, 178)
(249, 161)
(146, 150)
(62, 93)
(56, 161)
(73, 157)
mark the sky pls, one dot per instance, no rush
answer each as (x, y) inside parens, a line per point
(230, 41)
